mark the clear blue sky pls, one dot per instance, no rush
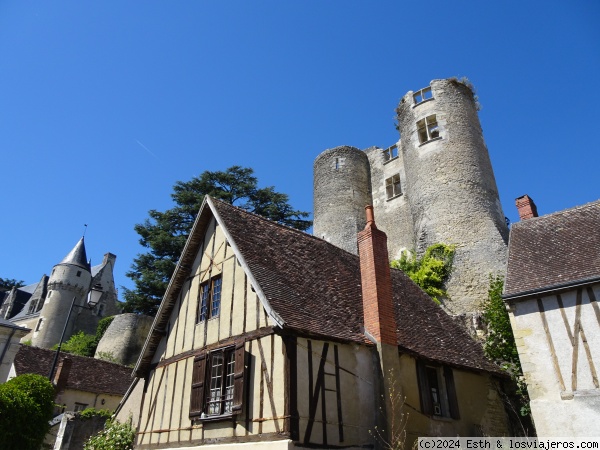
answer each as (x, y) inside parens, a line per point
(105, 105)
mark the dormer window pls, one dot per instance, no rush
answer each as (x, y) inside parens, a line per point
(428, 129)
(422, 95)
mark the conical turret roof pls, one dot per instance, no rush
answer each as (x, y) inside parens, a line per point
(77, 256)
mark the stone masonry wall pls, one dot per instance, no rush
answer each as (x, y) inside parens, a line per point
(341, 192)
(124, 338)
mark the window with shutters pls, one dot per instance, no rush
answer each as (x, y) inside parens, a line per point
(437, 390)
(210, 299)
(218, 383)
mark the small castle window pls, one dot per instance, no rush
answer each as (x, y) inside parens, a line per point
(390, 153)
(428, 129)
(392, 186)
(79, 273)
(39, 324)
(422, 95)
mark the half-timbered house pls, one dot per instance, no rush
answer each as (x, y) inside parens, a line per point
(552, 290)
(273, 338)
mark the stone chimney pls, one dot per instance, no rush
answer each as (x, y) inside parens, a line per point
(526, 207)
(62, 374)
(109, 257)
(376, 280)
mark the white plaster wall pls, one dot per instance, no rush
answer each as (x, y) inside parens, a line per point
(570, 407)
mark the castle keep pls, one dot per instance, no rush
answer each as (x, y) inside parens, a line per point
(435, 185)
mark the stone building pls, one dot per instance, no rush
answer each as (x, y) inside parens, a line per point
(268, 337)
(552, 290)
(43, 307)
(435, 185)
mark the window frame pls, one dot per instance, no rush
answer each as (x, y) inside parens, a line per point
(209, 299)
(422, 93)
(448, 402)
(390, 153)
(201, 400)
(428, 129)
(394, 183)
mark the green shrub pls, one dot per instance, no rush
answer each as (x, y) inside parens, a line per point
(500, 344)
(88, 413)
(115, 436)
(26, 406)
(102, 327)
(431, 271)
(80, 344)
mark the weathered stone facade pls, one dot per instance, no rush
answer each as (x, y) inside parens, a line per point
(124, 338)
(436, 185)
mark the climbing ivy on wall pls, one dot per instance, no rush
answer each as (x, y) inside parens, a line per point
(430, 271)
(500, 344)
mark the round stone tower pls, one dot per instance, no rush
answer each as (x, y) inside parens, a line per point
(451, 187)
(69, 279)
(341, 191)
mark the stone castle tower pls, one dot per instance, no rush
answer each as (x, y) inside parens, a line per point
(435, 185)
(47, 306)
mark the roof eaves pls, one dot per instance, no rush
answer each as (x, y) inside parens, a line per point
(166, 305)
(553, 288)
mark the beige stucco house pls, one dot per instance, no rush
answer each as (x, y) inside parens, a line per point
(552, 290)
(268, 337)
(10, 335)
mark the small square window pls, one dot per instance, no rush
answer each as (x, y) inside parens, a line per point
(392, 186)
(79, 273)
(210, 299)
(428, 129)
(390, 153)
(80, 406)
(422, 95)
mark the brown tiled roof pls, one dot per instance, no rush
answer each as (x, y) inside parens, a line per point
(550, 251)
(86, 374)
(316, 288)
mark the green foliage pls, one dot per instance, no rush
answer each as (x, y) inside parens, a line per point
(102, 327)
(165, 233)
(85, 344)
(106, 356)
(6, 284)
(115, 436)
(79, 344)
(431, 271)
(88, 413)
(500, 344)
(26, 406)
(27, 342)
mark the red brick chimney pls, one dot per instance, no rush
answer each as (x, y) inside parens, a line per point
(526, 207)
(62, 374)
(376, 280)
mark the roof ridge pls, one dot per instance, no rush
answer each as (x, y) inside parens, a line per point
(282, 225)
(557, 213)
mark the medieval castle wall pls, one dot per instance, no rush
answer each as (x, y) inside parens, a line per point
(124, 338)
(436, 185)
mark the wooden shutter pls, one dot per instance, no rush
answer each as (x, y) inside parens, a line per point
(451, 390)
(424, 392)
(197, 395)
(238, 377)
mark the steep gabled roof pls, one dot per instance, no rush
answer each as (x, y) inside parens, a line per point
(555, 250)
(312, 287)
(86, 374)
